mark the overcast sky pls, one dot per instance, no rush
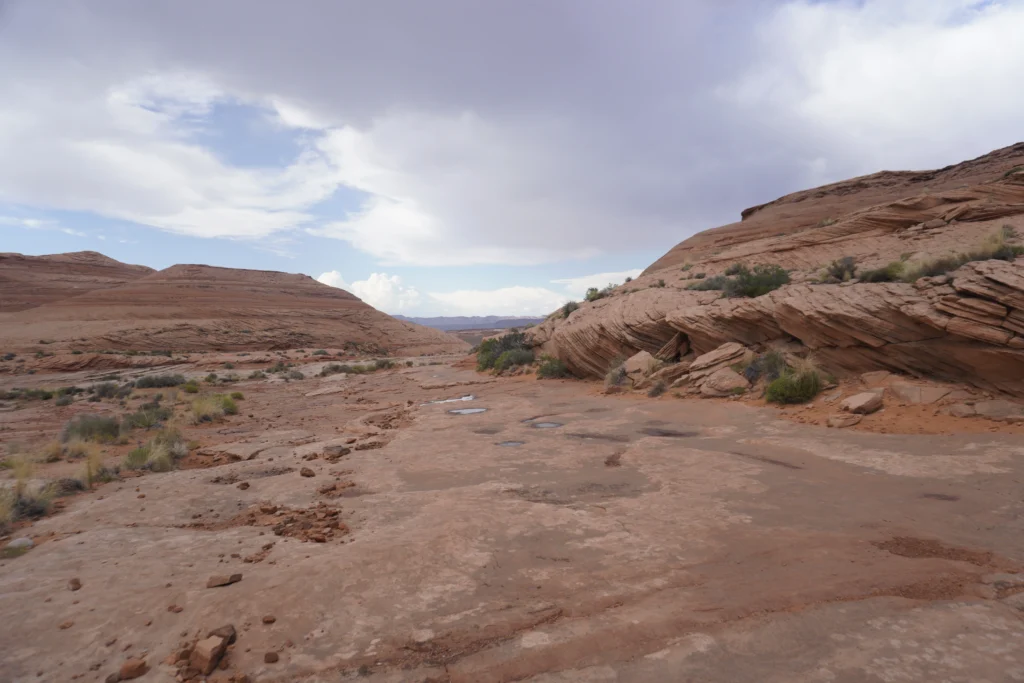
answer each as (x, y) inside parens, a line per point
(464, 157)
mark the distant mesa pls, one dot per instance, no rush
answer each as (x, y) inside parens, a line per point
(86, 301)
(476, 322)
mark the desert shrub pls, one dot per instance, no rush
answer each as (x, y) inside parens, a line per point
(320, 352)
(64, 401)
(257, 374)
(229, 405)
(383, 364)
(146, 417)
(892, 272)
(628, 279)
(105, 390)
(206, 409)
(796, 385)
(735, 269)
(190, 387)
(211, 378)
(659, 283)
(237, 395)
(512, 358)
(77, 449)
(657, 389)
(593, 294)
(552, 368)
(229, 366)
(136, 458)
(27, 395)
(32, 502)
(101, 428)
(568, 308)
(762, 279)
(709, 284)
(825, 222)
(770, 365)
(295, 374)
(409, 364)
(9, 356)
(92, 467)
(491, 349)
(159, 381)
(616, 374)
(841, 270)
(994, 247)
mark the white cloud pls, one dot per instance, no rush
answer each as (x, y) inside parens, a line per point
(884, 84)
(382, 291)
(578, 286)
(512, 301)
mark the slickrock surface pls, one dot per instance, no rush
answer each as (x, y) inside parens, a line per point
(30, 281)
(965, 326)
(197, 308)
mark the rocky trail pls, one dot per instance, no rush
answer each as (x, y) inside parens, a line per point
(368, 527)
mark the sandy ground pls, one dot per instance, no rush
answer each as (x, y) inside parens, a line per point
(630, 540)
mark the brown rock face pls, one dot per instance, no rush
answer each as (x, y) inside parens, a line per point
(30, 281)
(197, 308)
(964, 325)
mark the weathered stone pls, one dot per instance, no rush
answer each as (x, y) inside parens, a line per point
(862, 404)
(243, 486)
(227, 632)
(20, 544)
(306, 472)
(917, 394)
(223, 580)
(961, 410)
(724, 382)
(974, 330)
(207, 653)
(675, 347)
(271, 657)
(269, 619)
(640, 364)
(74, 584)
(876, 377)
(723, 355)
(132, 668)
(843, 420)
(998, 409)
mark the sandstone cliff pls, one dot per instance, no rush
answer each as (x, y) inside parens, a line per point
(30, 281)
(966, 325)
(199, 308)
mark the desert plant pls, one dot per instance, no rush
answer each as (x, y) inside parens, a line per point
(825, 222)
(295, 374)
(211, 378)
(320, 352)
(568, 308)
(229, 405)
(77, 449)
(190, 387)
(237, 395)
(892, 272)
(552, 368)
(63, 401)
(52, 451)
(492, 349)
(102, 428)
(657, 389)
(513, 358)
(91, 468)
(797, 385)
(709, 284)
(763, 278)
(659, 283)
(229, 366)
(159, 381)
(136, 458)
(206, 409)
(616, 374)
(841, 270)
(257, 374)
(769, 365)
(105, 390)
(383, 364)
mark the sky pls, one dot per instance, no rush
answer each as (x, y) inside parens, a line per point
(457, 157)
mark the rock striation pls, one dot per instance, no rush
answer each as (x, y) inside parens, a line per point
(965, 326)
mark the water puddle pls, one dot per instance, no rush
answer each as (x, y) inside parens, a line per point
(467, 411)
(546, 425)
(468, 397)
(512, 444)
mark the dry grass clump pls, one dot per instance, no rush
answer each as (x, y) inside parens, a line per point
(212, 408)
(616, 374)
(160, 454)
(798, 384)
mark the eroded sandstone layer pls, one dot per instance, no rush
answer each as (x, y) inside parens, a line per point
(963, 326)
(196, 307)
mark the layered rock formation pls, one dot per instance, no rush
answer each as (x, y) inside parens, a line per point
(966, 326)
(198, 308)
(30, 281)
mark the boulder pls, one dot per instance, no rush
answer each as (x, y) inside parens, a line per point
(917, 394)
(862, 404)
(132, 668)
(961, 410)
(223, 580)
(998, 410)
(843, 420)
(207, 653)
(724, 382)
(640, 364)
(23, 543)
(876, 377)
(726, 354)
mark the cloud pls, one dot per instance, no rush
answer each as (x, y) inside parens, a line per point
(578, 286)
(512, 301)
(382, 291)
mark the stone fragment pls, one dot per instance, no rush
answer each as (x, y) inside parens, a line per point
(227, 632)
(961, 410)
(207, 653)
(862, 404)
(223, 580)
(74, 584)
(724, 382)
(132, 668)
(998, 409)
(23, 543)
(726, 354)
(65, 625)
(306, 472)
(336, 451)
(268, 509)
(844, 420)
(269, 619)
(640, 364)
(876, 377)
(242, 486)
(270, 657)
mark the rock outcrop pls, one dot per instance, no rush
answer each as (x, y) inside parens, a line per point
(201, 308)
(30, 281)
(966, 325)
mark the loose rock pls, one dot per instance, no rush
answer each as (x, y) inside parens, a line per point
(306, 472)
(223, 580)
(843, 421)
(74, 584)
(270, 657)
(862, 404)
(132, 668)
(207, 653)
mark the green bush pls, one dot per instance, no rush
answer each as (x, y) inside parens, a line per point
(295, 374)
(65, 400)
(757, 282)
(237, 395)
(616, 374)
(715, 283)
(105, 390)
(568, 308)
(841, 270)
(229, 405)
(159, 381)
(320, 352)
(512, 358)
(147, 417)
(593, 294)
(889, 273)
(491, 349)
(26, 395)
(229, 366)
(552, 368)
(770, 365)
(795, 386)
(190, 387)
(211, 378)
(257, 374)
(102, 428)
(383, 364)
